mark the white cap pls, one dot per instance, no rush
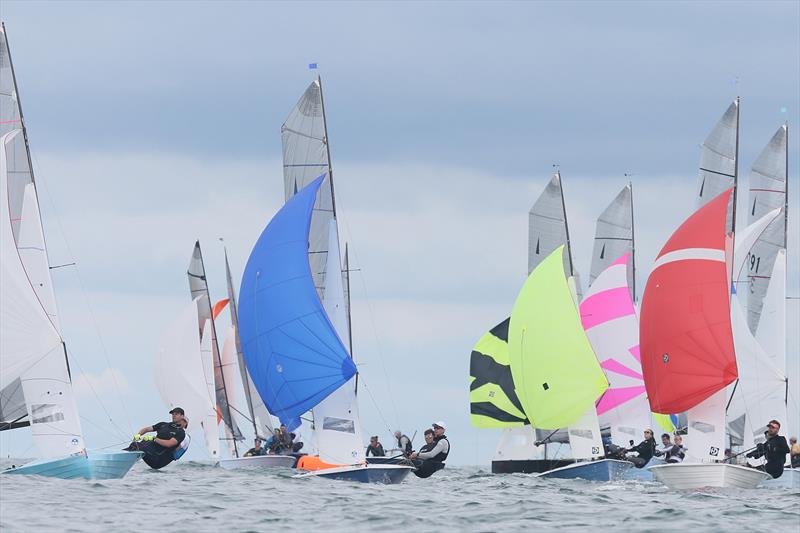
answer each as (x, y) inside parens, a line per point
(440, 424)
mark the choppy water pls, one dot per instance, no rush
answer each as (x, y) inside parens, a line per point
(194, 497)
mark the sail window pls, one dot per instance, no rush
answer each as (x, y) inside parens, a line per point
(46, 412)
(338, 424)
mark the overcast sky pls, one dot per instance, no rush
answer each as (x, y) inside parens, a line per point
(154, 124)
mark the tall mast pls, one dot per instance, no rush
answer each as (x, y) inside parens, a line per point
(633, 244)
(235, 323)
(735, 171)
(349, 321)
(786, 190)
(566, 224)
(327, 146)
(215, 349)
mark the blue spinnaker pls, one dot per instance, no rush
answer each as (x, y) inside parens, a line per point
(292, 351)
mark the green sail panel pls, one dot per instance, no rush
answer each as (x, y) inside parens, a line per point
(493, 402)
(556, 373)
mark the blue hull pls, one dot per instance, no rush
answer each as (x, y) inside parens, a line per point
(602, 470)
(643, 474)
(382, 474)
(96, 466)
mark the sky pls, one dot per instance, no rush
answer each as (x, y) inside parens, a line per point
(156, 124)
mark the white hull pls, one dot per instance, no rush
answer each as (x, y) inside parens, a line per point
(697, 475)
(789, 480)
(258, 462)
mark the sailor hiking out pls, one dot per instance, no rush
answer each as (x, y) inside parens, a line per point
(431, 457)
(169, 444)
(774, 450)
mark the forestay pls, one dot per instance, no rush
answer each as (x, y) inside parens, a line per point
(768, 180)
(291, 349)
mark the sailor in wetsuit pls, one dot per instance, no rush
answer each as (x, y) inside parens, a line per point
(645, 450)
(774, 449)
(159, 451)
(431, 458)
(256, 450)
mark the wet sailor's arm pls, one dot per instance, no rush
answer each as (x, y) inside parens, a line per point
(146, 429)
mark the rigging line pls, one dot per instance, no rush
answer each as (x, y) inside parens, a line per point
(97, 396)
(372, 320)
(380, 413)
(85, 297)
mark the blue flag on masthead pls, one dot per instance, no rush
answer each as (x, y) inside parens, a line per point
(312, 66)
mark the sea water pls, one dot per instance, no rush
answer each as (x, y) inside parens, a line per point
(195, 497)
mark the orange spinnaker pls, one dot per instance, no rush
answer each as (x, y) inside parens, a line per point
(218, 307)
(313, 462)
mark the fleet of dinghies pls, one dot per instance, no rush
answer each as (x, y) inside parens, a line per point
(704, 353)
(696, 358)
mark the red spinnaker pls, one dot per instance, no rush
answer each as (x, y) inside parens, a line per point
(685, 328)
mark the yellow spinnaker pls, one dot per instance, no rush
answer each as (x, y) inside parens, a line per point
(556, 373)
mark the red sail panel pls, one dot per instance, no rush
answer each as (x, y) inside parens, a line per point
(685, 332)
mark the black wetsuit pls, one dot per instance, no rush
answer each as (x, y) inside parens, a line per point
(426, 467)
(155, 455)
(775, 450)
(404, 443)
(646, 449)
(254, 452)
(376, 451)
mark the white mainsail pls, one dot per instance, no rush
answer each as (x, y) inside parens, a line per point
(198, 286)
(306, 156)
(191, 386)
(614, 237)
(337, 425)
(33, 364)
(718, 164)
(768, 180)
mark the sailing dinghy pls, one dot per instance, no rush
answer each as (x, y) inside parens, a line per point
(557, 375)
(293, 351)
(687, 346)
(35, 380)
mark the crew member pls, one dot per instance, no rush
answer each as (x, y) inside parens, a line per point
(256, 450)
(430, 461)
(644, 449)
(375, 448)
(775, 450)
(161, 450)
(403, 442)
